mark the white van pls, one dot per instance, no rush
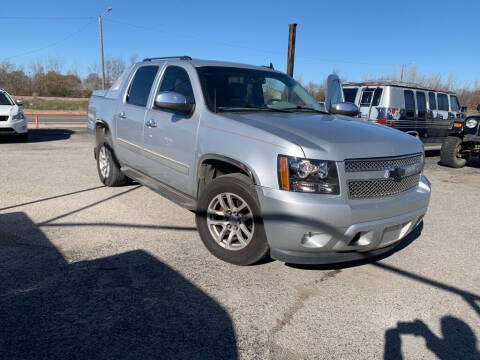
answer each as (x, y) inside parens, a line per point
(12, 118)
(420, 111)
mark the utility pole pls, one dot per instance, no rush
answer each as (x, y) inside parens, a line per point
(100, 30)
(292, 31)
(403, 70)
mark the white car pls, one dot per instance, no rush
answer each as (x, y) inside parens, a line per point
(12, 118)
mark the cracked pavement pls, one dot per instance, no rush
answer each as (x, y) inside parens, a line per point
(106, 273)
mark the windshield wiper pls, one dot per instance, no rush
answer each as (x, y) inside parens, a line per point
(249, 106)
(306, 108)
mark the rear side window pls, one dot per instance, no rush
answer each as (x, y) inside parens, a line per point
(377, 94)
(367, 96)
(176, 79)
(454, 106)
(409, 103)
(432, 101)
(141, 85)
(442, 102)
(421, 104)
(350, 94)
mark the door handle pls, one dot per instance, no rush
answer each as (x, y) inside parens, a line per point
(122, 115)
(151, 123)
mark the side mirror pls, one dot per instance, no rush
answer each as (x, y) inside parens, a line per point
(19, 102)
(173, 101)
(345, 108)
(333, 92)
(478, 107)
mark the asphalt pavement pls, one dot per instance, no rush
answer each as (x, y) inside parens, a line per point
(90, 272)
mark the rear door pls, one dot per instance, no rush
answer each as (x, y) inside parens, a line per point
(369, 100)
(432, 116)
(409, 124)
(421, 113)
(445, 118)
(130, 117)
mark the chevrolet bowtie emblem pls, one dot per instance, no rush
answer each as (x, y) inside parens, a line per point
(396, 174)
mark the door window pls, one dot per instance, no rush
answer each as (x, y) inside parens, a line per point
(409, 103)
(377, 94)
(432, 100)
(141, 85)
(454, 106)
(176, 79)
(367, 96)
(350, 94)
(421, 104)
(442, 102)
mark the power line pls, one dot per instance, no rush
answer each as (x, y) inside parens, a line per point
(333, 61)
(81, 29)
(46, 17)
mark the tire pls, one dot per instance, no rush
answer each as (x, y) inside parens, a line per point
(108, 167)
(448, 154)
(242, 249)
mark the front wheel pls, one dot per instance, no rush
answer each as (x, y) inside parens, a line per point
(229, 220)
(451, 152)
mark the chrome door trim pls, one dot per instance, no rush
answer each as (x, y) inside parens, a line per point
(173, 164)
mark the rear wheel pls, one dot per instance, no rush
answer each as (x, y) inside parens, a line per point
(229, 220)
(108, 167)
(451, 152)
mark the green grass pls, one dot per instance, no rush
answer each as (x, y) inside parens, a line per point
(54, 105)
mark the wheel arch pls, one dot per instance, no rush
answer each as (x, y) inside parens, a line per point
(224, 164)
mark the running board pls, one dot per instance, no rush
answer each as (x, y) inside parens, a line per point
(166, 191)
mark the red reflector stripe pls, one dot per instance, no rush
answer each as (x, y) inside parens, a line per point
(382, 121)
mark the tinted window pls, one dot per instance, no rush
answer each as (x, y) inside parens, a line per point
(141, 85)
(5, 99)
(377, 94)
(442, 102)
(366, 97)
(432, 100)
(350, 94)
(176, 79)
(409, 103)
(421, 104)
(454, 106)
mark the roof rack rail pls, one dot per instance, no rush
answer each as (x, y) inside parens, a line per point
(182, 57)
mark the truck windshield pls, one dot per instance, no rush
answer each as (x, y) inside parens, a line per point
(5, 99)
(240, 89)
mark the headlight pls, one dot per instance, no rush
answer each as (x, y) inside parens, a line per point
(307, 175)
(20, 116)
(471, 123)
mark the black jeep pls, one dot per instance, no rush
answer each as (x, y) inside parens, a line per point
(462, 142)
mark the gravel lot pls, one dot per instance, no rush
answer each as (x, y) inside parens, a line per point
(89, 272)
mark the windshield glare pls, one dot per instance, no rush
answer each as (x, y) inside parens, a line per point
(239, 89)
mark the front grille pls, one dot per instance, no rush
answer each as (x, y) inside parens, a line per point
(359, 189)
(356, 165)
(3, 118)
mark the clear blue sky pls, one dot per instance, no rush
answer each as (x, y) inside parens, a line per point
(354, 37)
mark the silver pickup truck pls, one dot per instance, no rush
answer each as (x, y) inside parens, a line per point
(264, 167)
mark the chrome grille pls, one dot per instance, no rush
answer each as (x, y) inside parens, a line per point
(359, 189)
(3, 118)
(356, 165)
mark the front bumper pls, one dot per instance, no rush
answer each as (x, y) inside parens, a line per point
(316, 229)
(13, 127)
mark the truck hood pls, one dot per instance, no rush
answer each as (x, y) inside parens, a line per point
(332, 137)
(7, 110)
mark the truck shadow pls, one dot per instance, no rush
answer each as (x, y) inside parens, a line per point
(40, 135)
(129, 305)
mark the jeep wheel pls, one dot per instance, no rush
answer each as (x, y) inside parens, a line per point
(450, 154)
(108, 168)
(229, 220)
